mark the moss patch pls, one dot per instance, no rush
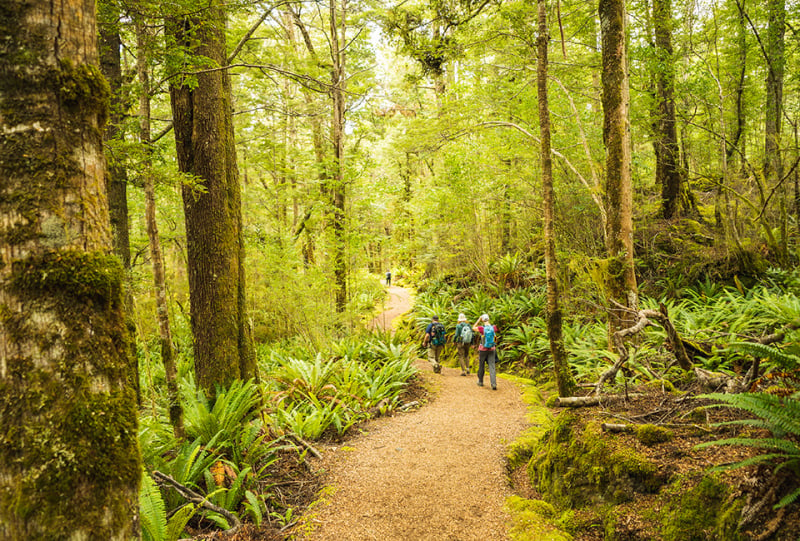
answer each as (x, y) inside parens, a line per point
(706, 511)
(576, 465)
(533, 521)
(651, 434)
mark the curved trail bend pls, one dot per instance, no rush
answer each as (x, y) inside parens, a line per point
(437, 473)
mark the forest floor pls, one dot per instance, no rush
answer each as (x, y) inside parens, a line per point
(437, 472)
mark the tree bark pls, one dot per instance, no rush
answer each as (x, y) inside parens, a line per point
(621, 278)
(776, 65)
(336, 188)
(116, 175)
(205, 148)
(69, 457)
(156, 255)
(675, 200)
(566, 384)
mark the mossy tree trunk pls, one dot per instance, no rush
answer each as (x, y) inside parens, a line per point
(566, 384)
(336, 188)
(215, 251)
(69, 457)
(621, 278)
(776, 66)
(675, 196)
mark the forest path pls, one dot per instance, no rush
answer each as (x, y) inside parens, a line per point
(397, 304)
(437, 473)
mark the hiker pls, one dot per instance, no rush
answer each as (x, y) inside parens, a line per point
(487, 349)
(388, 278)
(434, 340)
(463, 340)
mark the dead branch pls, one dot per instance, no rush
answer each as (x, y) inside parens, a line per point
(643, 319)
(194, 497)
(583, 401)
(307, 445)
(613, 427)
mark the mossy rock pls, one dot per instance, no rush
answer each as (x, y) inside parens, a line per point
(532, 520)
(706, 511)
(575, 465)
(652, 434)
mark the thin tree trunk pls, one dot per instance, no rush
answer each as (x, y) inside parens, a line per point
(117, 176)
(621, 278)
(159, 280)
(69, 455)
(337, 180)
(215, 251)
(566, 384)
(776, 62)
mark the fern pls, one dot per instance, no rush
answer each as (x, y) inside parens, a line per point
(152, 513)
(773, 355)
(781, 416)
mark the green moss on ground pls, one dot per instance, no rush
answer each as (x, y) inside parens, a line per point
(705, 511)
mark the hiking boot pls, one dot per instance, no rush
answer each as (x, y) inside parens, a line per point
(463, 373)
(437, 369)
(494, 387)
(480, 384)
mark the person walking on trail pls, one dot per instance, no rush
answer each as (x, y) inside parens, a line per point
(388, 278)
(487, 349)
(434, 340)
(463, 340)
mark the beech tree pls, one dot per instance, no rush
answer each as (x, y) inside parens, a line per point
(566, 385)
(201, 111)
(69, 457)
(621, 277)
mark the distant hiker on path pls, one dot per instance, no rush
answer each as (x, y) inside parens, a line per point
(463, 340)
(388, 278)
(434, 340)
(487, 349)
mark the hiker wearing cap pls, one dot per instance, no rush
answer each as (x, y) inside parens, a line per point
(463, 340)
(487, 349)
(434, 340)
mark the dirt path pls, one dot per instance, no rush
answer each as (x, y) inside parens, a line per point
(397, 304)
(432, 474)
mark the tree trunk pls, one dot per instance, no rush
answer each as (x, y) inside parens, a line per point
(215, 251)
(69, 457)
(159, 280)
(621, 278)
(776, 62)
(566, 384)
(116, 174)
(336, 178)
(669, 175)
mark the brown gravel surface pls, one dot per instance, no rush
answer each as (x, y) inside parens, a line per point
(436, 473)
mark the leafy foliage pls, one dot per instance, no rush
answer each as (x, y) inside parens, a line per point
(778, 415)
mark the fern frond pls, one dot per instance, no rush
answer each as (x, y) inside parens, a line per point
(781, 414)
(788, 499)
(773, 355)
(152, 513)
(759, 459)
(778, 444)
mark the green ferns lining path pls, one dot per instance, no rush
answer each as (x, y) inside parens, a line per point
(436, 473)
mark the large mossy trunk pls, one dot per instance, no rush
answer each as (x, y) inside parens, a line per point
(215, 250)
(69, 458)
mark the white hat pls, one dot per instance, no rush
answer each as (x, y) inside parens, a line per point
(485, 317)
(462, 317)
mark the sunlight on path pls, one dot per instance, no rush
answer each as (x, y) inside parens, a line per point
(437, 473)
(398, 302)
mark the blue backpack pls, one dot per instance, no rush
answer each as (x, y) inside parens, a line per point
(488, 336)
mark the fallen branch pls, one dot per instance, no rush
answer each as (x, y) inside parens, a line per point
(194, 497)
(583, 401)
(644, 318)
(307, 445)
